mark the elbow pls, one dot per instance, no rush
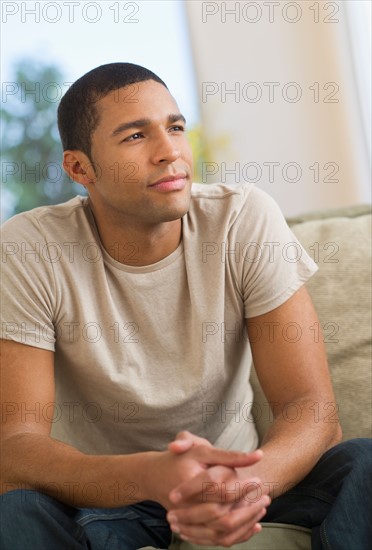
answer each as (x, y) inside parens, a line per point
(335, 437)
(338, 435)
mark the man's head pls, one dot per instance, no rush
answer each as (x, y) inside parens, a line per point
(124, 139)
(78, 112)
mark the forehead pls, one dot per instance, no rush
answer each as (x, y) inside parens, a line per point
(148, 99)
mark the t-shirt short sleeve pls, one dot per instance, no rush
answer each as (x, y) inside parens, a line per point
(28, 287)
(274, 263)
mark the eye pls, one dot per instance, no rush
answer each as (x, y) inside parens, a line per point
(178, 128)
(133, 137)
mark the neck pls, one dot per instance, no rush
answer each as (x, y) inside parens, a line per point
(138, 244)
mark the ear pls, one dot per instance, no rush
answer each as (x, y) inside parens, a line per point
(79, 168)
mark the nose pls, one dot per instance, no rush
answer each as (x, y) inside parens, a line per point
(165, 149)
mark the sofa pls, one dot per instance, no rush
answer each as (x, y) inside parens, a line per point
(339, 241)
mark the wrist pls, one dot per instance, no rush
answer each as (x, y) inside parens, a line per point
(148, 473)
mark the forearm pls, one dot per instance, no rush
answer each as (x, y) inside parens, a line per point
(292, 448)
(35, 461)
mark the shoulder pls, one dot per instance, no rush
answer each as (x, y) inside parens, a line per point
(232, 204)
(218, 199)
(47, 223)
(219, 193)
(203, 193)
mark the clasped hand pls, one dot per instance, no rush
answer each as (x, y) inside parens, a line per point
(219, 502)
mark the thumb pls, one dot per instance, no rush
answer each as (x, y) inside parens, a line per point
(185, 440)
(179, 446)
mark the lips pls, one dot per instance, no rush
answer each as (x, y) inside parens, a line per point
(170, 183)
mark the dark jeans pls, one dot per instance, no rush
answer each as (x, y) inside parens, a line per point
(334, 500)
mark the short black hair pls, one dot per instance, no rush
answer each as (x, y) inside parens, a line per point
(78, 115)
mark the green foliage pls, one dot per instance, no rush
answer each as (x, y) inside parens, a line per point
(32, 174)
(201, 153)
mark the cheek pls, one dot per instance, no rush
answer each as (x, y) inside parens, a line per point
(191, 160)
(109, 170)
(126, 174)
(187, 153)
(120, 167)
(99, 165)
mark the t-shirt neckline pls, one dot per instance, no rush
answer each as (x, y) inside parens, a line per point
(108, 259)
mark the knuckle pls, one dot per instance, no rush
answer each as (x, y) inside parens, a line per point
(213, 475)
(227, 523)
(214, 515)
(236, 455)
(205, 450)
(218, 512)
(183, 434)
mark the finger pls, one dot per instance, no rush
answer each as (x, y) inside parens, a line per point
(185, 435)
(222, 519)
(216, 541)
(180, 446)
(201, 513)
(211, 456)
(185, 440)
(194, 439)
(219, 456)
(239, 517)
(251, 491)
(197, 514)
(244, 533)
(235, 459)
(204, 535)
(218, 484)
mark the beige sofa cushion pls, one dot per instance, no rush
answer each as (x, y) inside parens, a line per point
(274, 536)
(340, 243)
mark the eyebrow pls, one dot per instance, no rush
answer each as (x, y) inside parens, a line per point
(141, 122)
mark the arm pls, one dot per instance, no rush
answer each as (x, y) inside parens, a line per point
(32, 459)
(289, 372)
(297, 373)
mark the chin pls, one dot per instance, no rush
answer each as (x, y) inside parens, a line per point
(175, 211)
(172, 215)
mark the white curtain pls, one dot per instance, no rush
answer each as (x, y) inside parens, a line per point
(284, 98)
(359, 25)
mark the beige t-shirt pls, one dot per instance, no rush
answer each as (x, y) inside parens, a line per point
(144, 352)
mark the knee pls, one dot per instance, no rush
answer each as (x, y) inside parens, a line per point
(21, 505)
(23, 515)
(18, 510)
(357, 453)
(17, 503)
(356, 447)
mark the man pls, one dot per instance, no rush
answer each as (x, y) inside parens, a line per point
(129, 322)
